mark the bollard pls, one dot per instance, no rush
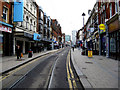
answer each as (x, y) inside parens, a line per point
(30, 53)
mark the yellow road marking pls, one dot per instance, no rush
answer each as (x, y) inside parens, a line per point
(72, 75)
(68, 74)
(1, 76)
(12, 72)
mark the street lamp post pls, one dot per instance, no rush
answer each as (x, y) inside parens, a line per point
(83, 29)
(83, 18)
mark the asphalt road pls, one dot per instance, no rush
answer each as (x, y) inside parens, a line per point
(50, 71)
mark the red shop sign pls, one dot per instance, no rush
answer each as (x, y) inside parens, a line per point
(5, 29)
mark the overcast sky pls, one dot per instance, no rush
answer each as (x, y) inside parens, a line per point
(67, 12)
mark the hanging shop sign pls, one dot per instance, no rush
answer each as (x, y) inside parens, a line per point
(36, 37)
(5, 29)
(18, 11)
(102, 28)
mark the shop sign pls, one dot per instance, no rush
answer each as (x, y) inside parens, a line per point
(5, 29)
(28, 35)
(92, 30)
(102, 28)
(18, 11)
(36, 37)
(113, 26)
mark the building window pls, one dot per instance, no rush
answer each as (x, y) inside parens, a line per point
(31, 7)
(31, 25)
(6, 1)
(5, 11)
(110, 10)
(42, 15)
(116, 6)
(34, 23)
(27, 19)
(27, 5)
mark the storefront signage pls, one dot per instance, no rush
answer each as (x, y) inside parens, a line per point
(28, 35)
(102, 28)
(36, 37)
(113, 26)
(5, 29)
(18, 11)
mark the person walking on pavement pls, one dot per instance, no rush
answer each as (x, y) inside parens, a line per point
(73, 48)
(18, 52)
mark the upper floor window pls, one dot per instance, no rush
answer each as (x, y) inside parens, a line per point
(110, 10)
(27, 5)
(31, 7)
(34, 10)
(41, 15)
(6, 1)
(116, 6)
(5, 13)
(34, 23)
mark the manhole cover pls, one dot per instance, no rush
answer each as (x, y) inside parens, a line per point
(89, 62)
(83, 68)
(100, 59)
(17, 74)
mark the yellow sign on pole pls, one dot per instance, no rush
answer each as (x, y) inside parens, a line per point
(89, 53)
(102, 27)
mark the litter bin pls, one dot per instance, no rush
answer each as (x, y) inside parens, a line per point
(30, 53)
(90, 53)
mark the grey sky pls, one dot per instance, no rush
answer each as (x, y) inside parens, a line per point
(67, 12)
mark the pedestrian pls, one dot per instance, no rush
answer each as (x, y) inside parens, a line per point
(18, 52)
(73, 48)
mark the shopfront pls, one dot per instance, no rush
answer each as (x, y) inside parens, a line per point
(6, 39)
(24, 40)
(114, 38)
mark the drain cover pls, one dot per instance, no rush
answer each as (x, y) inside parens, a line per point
(89, 62)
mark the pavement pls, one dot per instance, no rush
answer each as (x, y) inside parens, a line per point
(8, 63)
(96, 72)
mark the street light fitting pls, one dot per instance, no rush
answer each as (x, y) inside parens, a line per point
(83, 14)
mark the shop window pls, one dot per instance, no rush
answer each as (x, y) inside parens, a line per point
(5, 14)
(112, 45)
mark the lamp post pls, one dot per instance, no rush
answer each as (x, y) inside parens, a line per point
(83, 29)
(83, 18)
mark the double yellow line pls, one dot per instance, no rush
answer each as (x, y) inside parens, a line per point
(70, 75)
